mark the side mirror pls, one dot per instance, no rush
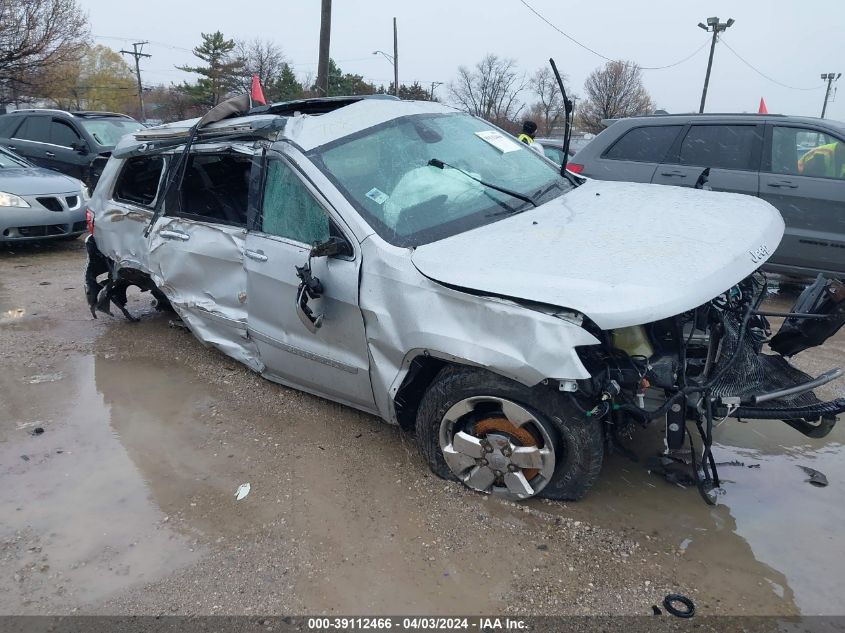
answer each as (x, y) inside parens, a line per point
(80, 148)
(331, 247)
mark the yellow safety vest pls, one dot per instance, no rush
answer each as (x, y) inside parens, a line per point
(828, 152)
(525, 139)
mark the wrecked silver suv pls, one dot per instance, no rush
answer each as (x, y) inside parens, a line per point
(417, 263)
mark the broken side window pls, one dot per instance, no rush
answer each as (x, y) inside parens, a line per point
(216, 188)
(288, 209)
(139, 180)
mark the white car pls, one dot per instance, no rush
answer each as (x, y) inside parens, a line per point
(417, 263)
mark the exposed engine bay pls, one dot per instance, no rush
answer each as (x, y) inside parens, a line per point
(707, 365)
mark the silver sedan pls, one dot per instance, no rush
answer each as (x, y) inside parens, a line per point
(38, 204)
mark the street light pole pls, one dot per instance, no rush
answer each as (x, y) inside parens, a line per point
(395, 60)
(392, 60)
(716, 27)
(830, 77)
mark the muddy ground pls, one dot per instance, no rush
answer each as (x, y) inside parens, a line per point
(125, 503)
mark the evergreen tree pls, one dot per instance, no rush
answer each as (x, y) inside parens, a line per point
(284, 87)
(220, 73)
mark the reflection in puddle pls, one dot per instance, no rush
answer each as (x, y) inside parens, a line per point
(76, 519)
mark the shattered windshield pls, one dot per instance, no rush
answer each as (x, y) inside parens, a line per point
(108, 131)
(386, 173)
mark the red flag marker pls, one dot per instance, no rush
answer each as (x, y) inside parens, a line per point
(256, 93)
(762, 109)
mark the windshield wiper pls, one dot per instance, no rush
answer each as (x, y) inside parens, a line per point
(436, 162)
(542, 192)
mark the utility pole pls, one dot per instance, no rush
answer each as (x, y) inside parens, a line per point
(395, 60)
(434, 85)
(716, 27)
(137, 47)
(325, 37)
(830, 77)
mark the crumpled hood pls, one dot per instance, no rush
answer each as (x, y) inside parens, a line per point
(620, 253)
(35, 181)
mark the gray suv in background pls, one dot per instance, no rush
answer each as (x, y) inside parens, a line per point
(795, 163)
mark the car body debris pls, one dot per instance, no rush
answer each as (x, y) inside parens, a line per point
(242, 491)
(416, 263)
(816, 478)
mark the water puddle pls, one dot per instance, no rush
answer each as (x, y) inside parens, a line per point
(77, 522)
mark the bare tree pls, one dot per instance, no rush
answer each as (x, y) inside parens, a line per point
(613, 92)
(261, 57)
(490, 90)
(37, 34)
(548, 111)
(170, 103)
(100, 80)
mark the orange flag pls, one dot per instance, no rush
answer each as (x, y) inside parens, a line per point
(762, 108)
(256, 93)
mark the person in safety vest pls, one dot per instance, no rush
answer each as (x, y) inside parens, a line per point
(826, 161)
(529, 130)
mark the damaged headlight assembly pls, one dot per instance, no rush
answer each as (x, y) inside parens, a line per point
(707, 365)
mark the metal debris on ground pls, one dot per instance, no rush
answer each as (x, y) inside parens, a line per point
(242, 491)
(816, 478)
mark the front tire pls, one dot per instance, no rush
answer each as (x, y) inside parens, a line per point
(498, 436)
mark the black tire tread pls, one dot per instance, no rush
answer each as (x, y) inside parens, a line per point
(578, 464)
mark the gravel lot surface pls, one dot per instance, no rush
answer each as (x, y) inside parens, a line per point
(125, 503)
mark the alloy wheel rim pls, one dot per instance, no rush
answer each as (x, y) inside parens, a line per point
(497, 446)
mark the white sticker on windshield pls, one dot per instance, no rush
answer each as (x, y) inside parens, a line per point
(377, 196)
(498, 140)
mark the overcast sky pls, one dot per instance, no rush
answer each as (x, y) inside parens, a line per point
(791, 42)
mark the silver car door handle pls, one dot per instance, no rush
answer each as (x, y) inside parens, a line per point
(783, 183)
(12, 147)
(174, 235)
(49, 154)
(256, 255)
(679, 174)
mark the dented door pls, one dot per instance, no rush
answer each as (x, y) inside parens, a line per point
(334, 360)
(201, 265)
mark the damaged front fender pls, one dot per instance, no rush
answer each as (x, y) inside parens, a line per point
(407, 316)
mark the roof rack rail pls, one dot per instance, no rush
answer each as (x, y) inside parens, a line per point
(95, 113)
(705, 114)
(54, 110)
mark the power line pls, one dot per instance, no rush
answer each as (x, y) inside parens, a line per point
(605, 57)
(131, 39)
(761, 73)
